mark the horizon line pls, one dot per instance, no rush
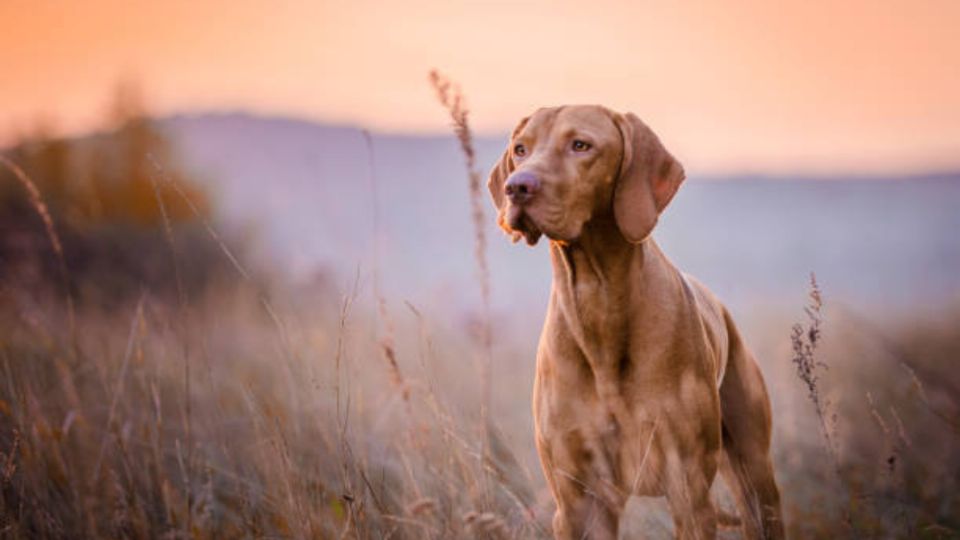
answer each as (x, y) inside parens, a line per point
(759, 174)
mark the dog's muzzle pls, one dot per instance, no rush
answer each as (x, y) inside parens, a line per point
(521, 187)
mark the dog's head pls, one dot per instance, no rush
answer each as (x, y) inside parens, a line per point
(565, 166)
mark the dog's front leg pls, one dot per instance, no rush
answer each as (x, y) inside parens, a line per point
(580, 469)
(585, 518)
(588, 505)
(687, 485)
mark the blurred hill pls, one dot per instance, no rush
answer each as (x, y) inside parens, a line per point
(874, 243)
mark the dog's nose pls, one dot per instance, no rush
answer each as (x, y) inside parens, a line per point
(521, 186)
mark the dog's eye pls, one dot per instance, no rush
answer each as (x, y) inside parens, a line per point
(580, 146)
(520, 150)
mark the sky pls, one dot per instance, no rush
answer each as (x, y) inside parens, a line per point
(809, 86)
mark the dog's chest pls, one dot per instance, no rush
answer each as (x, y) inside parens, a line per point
(594, 308)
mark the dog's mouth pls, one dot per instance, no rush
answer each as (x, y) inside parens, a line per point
(521, 223)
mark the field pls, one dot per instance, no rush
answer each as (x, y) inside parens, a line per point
(185, 393)
(216, 419)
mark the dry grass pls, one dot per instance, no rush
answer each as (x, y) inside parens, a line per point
(216, 418)
(805, 339)
(127, 441)
(237, 413)
(38, 204)
(878, 482)
(451, 98)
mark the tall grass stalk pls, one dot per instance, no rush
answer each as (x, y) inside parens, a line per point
(40, 206)
(805, 341)
(227, 252)
(117, 389)
(279, 326)
(451, 98)
(386, 341)
(184, 320)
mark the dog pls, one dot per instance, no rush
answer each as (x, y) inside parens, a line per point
(643, 384)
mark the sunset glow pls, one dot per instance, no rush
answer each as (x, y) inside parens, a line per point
(731, 86)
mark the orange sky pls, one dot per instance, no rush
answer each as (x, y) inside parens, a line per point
(793, 85)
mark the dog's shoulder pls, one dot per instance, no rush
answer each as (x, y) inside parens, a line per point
(707, 303)
(713, 316)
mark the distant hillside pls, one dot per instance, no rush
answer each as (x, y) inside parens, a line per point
(307, 189)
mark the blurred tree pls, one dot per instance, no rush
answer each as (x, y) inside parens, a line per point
(101, 191)
(121, 171)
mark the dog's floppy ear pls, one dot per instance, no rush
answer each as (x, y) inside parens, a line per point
(649, 177)
(498, 175)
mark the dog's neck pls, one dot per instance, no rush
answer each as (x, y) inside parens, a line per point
(600, 253)
(602, 284)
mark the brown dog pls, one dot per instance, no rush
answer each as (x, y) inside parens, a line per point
(643, 385)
